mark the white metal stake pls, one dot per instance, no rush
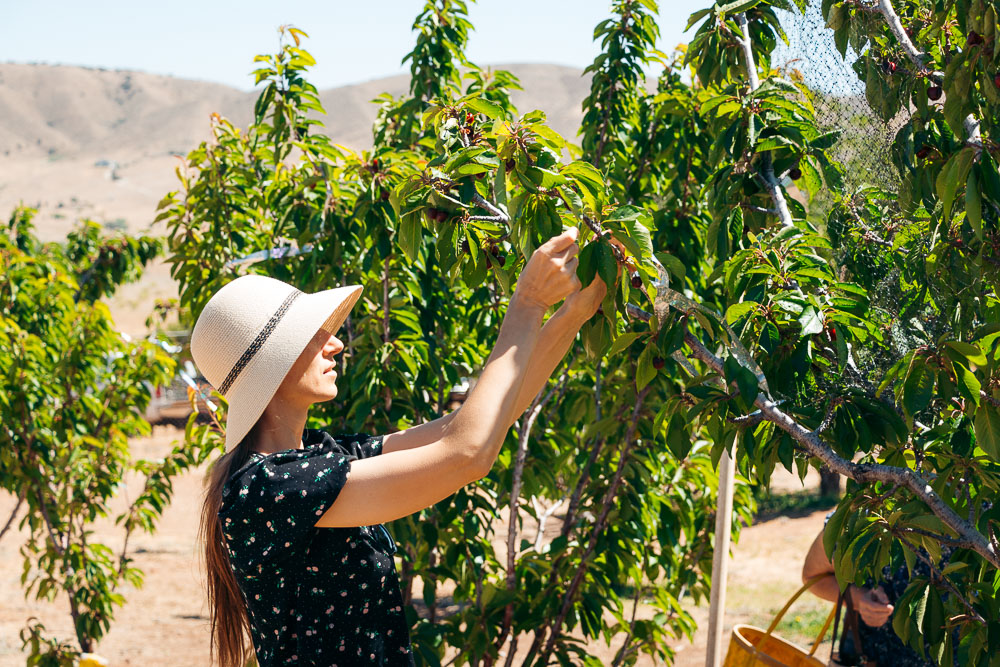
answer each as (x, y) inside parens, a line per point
(720, 562)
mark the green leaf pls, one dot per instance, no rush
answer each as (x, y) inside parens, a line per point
(623, 341)
(736, 311)
(811, 321)
(748, 385)
(967, 383)
(586, 268)
(987, 426)
(645, 371)
(679, 441)
(952, 176)
(934, 618)
(607, 265)
(918, 387)
(974, 205)
(672, 264)
(737, 6)
(697, 16)
(834, 528)
(920, 607)
(640, 235)
(409, 235)
(969, 351)
(485, 107)
(771, 143)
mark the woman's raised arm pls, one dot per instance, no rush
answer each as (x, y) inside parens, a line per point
(401, 482)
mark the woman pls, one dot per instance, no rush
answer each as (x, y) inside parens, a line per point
(296, 555)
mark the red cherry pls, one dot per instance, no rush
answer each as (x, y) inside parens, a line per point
(636, 281)
(385, 195)
(924, 151)
(465, 245)
(481, 175)
(975, 39)
(469, 118)
(795, 173)
(934, 93)
(509, 164)
(658, 362)
(996, 80)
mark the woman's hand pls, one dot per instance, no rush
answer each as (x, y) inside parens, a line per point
(550, 274)
(583, 304)
(872, 604)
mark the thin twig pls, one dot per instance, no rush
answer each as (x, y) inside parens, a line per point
(831, 410)
(748, 421)
(943, 539)
(482, 202)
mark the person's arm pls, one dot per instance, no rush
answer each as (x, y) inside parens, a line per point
(554, 340)
(402, 482)
(871, 603)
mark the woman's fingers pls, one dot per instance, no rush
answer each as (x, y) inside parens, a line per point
(561, 242)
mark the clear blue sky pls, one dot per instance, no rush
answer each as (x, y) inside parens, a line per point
(215, 40)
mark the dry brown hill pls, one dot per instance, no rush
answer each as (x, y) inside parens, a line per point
(102, 144)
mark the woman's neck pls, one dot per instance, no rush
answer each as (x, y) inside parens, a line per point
(280, 428)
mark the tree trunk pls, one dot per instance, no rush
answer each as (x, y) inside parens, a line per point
(829, 483)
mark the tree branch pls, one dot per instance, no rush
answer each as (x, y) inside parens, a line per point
(599, 525)
(515, 496)
(860, 472)
(767, 167)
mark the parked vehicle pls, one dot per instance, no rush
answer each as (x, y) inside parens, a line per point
(171, 404)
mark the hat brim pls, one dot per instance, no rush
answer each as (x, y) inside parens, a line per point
(260, 379)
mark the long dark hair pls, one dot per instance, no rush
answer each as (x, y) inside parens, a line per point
(228, 619)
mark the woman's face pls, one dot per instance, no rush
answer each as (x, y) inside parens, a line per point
(312, 378)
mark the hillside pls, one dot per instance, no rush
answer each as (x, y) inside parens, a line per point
(103, 144)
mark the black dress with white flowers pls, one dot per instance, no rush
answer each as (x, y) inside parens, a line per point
(315, 596)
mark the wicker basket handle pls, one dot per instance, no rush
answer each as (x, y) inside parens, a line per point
(777, 619)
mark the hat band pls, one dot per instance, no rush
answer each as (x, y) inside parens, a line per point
(258, 342)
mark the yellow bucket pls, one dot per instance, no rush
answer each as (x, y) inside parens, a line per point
(751, 646)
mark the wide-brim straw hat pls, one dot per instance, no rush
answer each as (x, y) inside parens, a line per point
(251, 332)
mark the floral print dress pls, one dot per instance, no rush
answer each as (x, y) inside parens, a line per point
(315, 596)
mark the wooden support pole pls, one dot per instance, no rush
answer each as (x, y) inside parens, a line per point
(720, 563)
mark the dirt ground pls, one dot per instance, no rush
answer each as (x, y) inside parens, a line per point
(165, 621)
